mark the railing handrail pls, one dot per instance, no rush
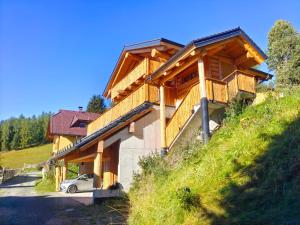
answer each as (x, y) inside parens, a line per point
(216, 80)
(225, 78)
(181, 103)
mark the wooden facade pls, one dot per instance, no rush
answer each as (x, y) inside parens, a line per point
(215, 68)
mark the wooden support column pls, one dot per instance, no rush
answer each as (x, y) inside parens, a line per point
(98, 165)
(57, 178)
(162, 120)
(204, 102)
(64, 170)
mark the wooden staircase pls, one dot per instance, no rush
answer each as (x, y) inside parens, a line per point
(219, 92)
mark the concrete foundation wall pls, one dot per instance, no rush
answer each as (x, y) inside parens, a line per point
(143, 141)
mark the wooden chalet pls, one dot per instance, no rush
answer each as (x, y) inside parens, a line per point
(161, 88)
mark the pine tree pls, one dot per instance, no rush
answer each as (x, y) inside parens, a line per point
(96, 104)
(284, 53)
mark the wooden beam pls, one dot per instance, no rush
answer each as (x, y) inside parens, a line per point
(257, 57)
(98, 165)
(133, 57)
(242, 59)
(204, 102)
(158, 54)
(57, 178)
(122, 92)
(131, 127)
(162, 118)
(85, 158)
(188, 63)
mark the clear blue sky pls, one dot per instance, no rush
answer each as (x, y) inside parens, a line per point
(57, 54)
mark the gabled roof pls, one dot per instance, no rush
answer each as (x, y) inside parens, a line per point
(135, 47)
(112, 126)
(206, 41)
(63, 123)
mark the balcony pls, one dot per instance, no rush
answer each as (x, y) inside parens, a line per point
(144, 93)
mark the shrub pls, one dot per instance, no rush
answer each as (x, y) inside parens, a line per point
(186, 198)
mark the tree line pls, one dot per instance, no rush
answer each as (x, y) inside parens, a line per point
(22, 132)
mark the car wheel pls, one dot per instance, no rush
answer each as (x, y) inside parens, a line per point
(72, 189)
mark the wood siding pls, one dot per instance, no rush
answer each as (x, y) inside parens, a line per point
(143, 69)
(144, 93)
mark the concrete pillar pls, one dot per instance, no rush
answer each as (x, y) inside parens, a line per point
(162, 120)
(98, 165)
(204, 102)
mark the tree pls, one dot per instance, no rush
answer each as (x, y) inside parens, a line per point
(96, 104)
(284, 53)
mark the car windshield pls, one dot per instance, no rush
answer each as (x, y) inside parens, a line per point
(82, 177)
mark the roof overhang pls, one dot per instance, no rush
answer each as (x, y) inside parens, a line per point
(202, 46)
(106, 131)
(130, 52)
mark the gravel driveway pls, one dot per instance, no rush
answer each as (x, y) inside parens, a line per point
(21, 205)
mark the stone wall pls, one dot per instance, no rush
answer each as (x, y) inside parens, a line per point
(8, 174)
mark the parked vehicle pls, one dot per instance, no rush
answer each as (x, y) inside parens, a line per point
(83, 182)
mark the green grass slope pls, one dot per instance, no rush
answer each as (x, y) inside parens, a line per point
(16, 159)
(249, 173)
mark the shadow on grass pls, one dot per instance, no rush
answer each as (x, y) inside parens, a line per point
(272, 194)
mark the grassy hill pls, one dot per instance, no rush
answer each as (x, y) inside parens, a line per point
(16, 159)
(249, 173)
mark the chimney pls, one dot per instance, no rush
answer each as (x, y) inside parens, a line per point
(80, 108)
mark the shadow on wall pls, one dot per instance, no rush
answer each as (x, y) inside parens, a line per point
(271, 196)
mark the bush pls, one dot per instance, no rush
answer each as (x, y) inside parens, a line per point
(187, 199)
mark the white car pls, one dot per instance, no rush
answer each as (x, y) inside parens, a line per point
(83, 182)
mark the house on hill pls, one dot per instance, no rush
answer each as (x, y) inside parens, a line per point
(65, 128)
(161, 89)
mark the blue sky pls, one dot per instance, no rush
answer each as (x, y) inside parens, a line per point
(57, 54)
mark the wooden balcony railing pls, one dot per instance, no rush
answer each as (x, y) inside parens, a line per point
(240, 81)
(144, 93)
(182, 114)
(216, 90)
(143, 69)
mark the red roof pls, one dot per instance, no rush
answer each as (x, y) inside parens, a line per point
(67, 122)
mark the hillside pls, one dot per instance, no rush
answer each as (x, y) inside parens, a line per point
(16, 159)
(249, 173)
